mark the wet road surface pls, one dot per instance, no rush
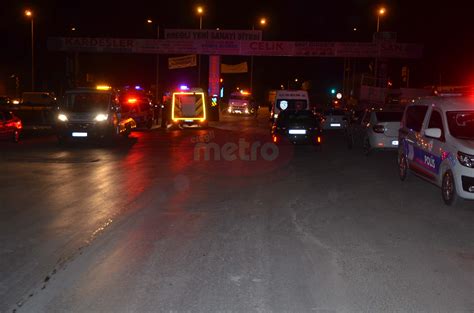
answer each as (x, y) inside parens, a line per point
(153, 224)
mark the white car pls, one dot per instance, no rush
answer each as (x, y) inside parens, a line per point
(437, 144)
(335, 119)
(375, 130)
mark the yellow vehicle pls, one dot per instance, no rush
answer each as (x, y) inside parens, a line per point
(189, 108)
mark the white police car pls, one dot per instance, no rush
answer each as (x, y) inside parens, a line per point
(437, 143)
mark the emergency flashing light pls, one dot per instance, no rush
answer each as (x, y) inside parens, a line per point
(137, 87)
(183, 87)
(103, 87)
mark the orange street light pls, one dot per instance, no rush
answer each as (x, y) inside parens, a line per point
(380, 12)
(29, 14)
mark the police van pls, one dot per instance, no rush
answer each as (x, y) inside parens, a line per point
(289, 100)
(437, 144)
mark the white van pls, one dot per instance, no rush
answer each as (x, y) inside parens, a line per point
(289, 100)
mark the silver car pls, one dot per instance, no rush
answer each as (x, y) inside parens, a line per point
(375, 130)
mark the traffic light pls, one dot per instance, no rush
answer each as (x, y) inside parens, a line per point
(333, 91)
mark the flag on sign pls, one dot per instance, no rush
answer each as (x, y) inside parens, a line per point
(235, 68)
(182, 62)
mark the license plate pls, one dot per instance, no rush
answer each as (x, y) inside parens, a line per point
(297, 131)
(394, 142)
(79, 134)
(335, 125)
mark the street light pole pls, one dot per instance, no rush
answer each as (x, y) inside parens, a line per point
(200, 11)
(380, 13)
(32, 55)
(251, 68)
(29, 14)
(263, 22)
(157, 67)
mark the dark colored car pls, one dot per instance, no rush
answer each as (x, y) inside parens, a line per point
(297, 127)
(89, 113)
(139, 105)
(10, 126)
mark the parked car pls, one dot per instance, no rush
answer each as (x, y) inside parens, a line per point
(139, 105)
(374, 130)
(297, 126)
(335, 119)
(10, 126)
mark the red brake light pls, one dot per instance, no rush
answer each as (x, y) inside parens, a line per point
(132, 100)
(380, 129)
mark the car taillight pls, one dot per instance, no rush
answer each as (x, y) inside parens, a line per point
(379, 129)
(275, 139)
(319, 139)
(19, 125)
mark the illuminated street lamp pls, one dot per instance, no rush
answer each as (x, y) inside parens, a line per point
(263, 22)
(381, 12)
(29, 14)
(150, 22)
(200, 12)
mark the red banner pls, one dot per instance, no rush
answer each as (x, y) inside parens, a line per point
(214, 74)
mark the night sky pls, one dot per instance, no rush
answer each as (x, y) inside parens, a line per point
(445, 28)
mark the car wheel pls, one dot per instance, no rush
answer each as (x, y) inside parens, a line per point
(367, 147)
(402, 167)
(16, 136)
(448, 188)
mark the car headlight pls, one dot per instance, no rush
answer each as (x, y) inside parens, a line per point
(62, 117)
(466, 159)
(16, 102)
(101, 117)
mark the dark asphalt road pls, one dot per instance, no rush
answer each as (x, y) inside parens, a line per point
(151, 225)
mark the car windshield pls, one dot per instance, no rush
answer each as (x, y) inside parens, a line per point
(389, 116)
(293, 104)
(290, 117)
(239, 97)
(87, 102)
(461, 124)
(334, 112)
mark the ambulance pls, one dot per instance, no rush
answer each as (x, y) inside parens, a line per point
(189, 108)
(289, 100)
